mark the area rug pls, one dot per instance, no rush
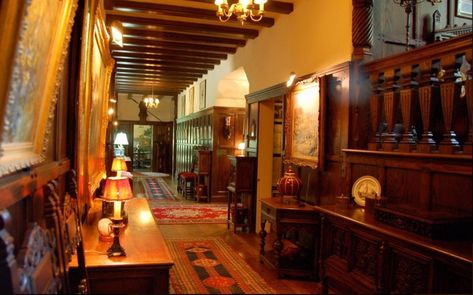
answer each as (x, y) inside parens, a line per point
(157, 189)
(184, 213)
(210, 266)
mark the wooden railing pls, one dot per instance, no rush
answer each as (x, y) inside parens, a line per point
(422, 99)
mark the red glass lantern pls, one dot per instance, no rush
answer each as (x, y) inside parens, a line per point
(289, 185)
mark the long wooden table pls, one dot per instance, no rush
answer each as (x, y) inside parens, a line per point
(145, 268)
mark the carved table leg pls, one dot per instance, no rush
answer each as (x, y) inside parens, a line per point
(262, 234)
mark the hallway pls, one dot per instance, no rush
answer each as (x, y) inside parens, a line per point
(245, 244)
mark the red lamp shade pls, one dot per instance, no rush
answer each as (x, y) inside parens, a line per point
(289, 184)
(119, 164)
(117, 189)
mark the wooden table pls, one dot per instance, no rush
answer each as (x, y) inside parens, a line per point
(292, 224)
(145, 269)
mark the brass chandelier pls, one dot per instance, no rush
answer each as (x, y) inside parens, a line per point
(151, 101)
(243, 10)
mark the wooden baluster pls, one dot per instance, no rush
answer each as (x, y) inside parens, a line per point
(375, 112)
(449, 143)
(467, 146)
(389, 141)
(426, 103)
(407, 100)
(467, 73)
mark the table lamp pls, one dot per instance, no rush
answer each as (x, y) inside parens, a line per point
(119, 165)
(117, 190)
(121, 140)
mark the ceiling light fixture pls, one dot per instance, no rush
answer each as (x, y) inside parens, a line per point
(117, 33)
(243, 10)
(408, 6)
(151, 101)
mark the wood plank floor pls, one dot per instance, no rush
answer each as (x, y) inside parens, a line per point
(246, 245)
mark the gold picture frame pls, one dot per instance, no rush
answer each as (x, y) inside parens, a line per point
(202, 93)
(33, 81)
(463, 8)
(305, 124)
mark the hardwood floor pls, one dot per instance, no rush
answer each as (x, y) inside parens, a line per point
(247, 246)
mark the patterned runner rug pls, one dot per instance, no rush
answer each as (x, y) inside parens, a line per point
(185, 213)
(157, 189)
(210, 266)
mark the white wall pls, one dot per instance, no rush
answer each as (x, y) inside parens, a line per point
(314, 37)
(127, 108)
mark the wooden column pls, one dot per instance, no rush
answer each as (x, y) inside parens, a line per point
(408, 98)
(426, 105)
(362, 28)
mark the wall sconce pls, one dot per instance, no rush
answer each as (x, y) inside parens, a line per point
(227, 127)
(117, 190)
(290, 81)
(117, 33)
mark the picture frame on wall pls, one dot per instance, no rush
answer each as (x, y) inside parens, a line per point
(34, 82)
(305, 121)
(463, 8)
(191, 100)
(202, 93)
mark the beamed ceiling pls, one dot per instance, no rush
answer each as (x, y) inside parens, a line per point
(168, 45)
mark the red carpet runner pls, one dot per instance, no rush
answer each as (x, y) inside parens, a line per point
(210, 266)
(190, 213)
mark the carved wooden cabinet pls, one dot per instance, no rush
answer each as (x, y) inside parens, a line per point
(362, 255)
(203, 170)
(241, 192)
(292, 246)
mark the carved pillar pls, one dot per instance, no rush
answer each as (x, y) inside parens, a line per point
(55, 226)
(427, 143)
(467, 146)
(362, 28)
(427, 106)
(449, 143)
(376, 102)
(408, 98)
(9, 278)
(447, 77)
(389, 141)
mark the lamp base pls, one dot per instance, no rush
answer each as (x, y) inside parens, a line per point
(116, 249)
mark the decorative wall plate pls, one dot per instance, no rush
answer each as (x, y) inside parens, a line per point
(366, 187)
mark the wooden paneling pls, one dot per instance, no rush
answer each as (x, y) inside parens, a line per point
(361, 255)
(207, 129)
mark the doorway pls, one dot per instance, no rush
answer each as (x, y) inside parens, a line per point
(142, 147)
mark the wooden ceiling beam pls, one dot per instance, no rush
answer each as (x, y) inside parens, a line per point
(180, 11)
(179, 37)
(159, 67)
(151, 61)
(136, 19)
(170, 74)
(178, 45)
(166, 57)
(139, 90)
(149, 49)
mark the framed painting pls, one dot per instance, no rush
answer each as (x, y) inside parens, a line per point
(191, 100)
(33, 82)
(202, 99)
(96, 69)
(304, 124)
(463, 8)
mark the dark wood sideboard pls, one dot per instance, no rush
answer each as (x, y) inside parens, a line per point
(362, 255)
(145, 269)
(292, 244)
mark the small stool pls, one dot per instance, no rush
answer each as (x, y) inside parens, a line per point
(186, 184)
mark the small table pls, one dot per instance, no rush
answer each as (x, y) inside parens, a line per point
(144, 269)
(294, 250)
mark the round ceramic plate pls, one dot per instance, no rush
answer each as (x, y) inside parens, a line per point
(366, 187)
